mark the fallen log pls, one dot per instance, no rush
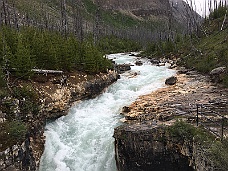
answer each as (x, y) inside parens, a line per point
(42, 71)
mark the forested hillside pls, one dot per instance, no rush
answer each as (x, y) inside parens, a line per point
(204, 50)
(139, 20)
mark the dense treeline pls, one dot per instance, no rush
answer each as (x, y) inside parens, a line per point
(158, 49)
(112, 44)
(31, 48)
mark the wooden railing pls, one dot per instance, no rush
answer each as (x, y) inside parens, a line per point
(213, 118)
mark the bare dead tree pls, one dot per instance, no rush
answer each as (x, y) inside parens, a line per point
(77, 22)
(97, 24)
(1, 13)
(170, 21)
(5, 14)
(16, 25)
(64, 26)
(224, 20)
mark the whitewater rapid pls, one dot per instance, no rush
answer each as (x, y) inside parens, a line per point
(82, 140)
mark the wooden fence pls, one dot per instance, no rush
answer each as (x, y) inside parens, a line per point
(213, 118)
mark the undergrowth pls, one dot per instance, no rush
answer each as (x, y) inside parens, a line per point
(214, 149)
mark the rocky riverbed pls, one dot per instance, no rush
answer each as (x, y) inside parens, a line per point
(146, 118)
(144, 143)
(176, 101)
(56, 95)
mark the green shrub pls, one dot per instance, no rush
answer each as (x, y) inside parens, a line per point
(3, 92)
(218, 154)
(31, 48)
(25, 92)
(16, 130)
(23, 61)
(2, 79)
(184, 131)
(11, 133)
(28, 100)
(215, 150)
(225, 81)
(219, 12)
(112, 44)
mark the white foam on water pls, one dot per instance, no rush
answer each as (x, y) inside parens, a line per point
(82, 140)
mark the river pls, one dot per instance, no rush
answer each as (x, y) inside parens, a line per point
(82, 140)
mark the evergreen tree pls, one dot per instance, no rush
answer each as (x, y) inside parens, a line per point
(10, 38)
(22, 61)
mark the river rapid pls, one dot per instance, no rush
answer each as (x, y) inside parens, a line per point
(82, 140)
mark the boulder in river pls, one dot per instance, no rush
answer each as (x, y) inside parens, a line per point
(132, 54)
(123, 67)
(138, 63)
(154, 61)
(126, 109)
(171, 80)
(161, 64)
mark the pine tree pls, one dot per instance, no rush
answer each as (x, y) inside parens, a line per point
(22, 61)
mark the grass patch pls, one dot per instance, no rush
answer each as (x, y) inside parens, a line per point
(29, 102)
(214, 150)
(218, 154)
(12, 132)
(184, 131)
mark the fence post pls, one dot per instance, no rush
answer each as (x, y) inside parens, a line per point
(222, 133)
(197, 115)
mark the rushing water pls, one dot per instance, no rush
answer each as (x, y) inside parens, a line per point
(82, 140)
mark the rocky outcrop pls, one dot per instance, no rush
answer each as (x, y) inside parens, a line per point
(218, 74)
(56, 98)
(178, 100)
(146, 147)
(154, 61)
(25, 155)
(57, 102)
(139, 63)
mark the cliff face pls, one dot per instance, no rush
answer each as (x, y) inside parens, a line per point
(150, 9)
(144, 9)
(143, 147)
(134, 4)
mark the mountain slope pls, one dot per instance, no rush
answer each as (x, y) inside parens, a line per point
(141, 20)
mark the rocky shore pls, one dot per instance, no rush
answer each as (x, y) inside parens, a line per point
(176, 100)
(144, 143)
(56, 95)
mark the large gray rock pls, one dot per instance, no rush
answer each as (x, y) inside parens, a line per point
(217, 74)
(171, 80)
(123, 67)
(138, 63)
(126, 109)
(154, 61)
(218, 71)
